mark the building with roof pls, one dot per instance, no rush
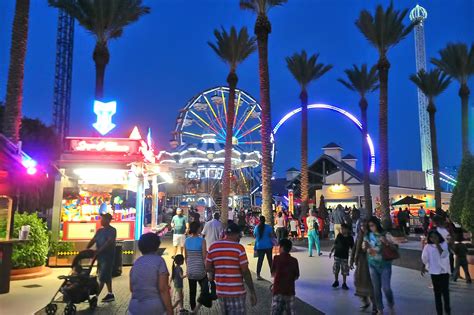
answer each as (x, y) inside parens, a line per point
(336, 177)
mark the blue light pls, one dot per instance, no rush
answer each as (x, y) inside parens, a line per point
(104, 112)
(340, 111)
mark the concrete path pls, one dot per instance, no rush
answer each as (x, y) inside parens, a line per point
(413, 293)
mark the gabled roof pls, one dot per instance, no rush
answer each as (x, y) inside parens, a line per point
(349, 157)
(332, 145)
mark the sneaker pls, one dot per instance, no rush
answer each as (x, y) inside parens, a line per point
(345, 287)
(335, 284)
(110, 297)
(259, 277)
(320, 254)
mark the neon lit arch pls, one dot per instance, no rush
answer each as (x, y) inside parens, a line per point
(340, 111)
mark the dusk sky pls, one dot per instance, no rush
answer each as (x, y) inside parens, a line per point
(163, 60)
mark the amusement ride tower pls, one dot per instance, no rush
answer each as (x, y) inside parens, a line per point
(419, 15)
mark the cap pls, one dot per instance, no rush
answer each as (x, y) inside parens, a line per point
(179, 209)
(232, 228)
(107, 216)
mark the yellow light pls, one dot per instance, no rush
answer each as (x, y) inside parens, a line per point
(339, 188)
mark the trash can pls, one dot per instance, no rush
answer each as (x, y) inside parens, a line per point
(117, 271)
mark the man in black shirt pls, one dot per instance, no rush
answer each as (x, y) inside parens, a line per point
(343, 243)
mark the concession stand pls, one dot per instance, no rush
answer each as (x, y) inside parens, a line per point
(100, 175)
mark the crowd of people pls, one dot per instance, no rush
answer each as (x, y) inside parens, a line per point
(215, 259)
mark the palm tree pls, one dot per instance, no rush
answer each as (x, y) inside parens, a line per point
(363, 81)
(105, 19)
(16, 70)
(432, 84)
(262, 29)
(456, 61)
(384, 30)
(305, 71)
(232, 49)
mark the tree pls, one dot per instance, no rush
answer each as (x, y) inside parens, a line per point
(432, 84)
(458, 62)
(467, 215)
(232, 48)
(384, 30)
(363, 81)
(465, 174)
(16, 72)
(105, 19)
(262, 29)
(305, 70)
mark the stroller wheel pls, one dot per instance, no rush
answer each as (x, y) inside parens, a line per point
(51, 309)
(93, 303)
(70, 309)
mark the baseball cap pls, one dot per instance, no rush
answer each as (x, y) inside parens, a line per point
(232, 228)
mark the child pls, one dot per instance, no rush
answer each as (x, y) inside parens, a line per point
(293, 228)
(177, 277)
(302, 228)
(460, 249)
(435, 256)
(285, 271)
(331, 230)
(344, 241)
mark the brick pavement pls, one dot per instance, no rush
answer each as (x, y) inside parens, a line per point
(122, 295)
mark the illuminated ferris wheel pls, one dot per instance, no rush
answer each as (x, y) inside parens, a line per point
(206, 114)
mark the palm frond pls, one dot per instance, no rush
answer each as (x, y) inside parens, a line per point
(105, 19)
(305, 70)
(361, 79)
(431, 83)
(385, 28)
(457, 61)
(233, 48)
(260, 7)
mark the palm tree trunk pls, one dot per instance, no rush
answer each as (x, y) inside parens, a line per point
(304, 152)
(16, 70)
(226, 175)
(464, 94)
(383, 67)
(365, 156)
(434, 153)
(101, 58)
(262, 29)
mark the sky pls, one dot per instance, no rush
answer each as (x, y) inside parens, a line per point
(163, 60)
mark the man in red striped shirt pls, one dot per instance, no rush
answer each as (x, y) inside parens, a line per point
(228, 265)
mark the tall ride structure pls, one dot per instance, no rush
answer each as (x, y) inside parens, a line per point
(63, 74)
(419, 15)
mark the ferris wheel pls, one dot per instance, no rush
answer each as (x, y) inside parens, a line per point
(206, 114)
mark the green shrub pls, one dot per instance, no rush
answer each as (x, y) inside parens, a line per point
(32, 253)
(58, 246)
(466, 172)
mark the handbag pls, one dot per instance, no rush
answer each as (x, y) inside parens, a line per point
(390, 252)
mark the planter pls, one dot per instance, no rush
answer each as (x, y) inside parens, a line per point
(29, 273)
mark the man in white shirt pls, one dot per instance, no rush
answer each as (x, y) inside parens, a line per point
(212, 230)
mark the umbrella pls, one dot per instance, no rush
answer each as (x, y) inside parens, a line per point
(408, 200)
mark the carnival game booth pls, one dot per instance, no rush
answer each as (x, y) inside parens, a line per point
(102, 175)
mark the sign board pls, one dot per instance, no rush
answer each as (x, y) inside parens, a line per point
(103, 145)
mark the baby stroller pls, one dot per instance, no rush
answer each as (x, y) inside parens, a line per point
(77, 287)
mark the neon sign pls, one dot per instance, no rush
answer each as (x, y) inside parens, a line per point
(104, 112)
(107, 146)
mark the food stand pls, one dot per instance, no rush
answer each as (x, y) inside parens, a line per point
(102, 175)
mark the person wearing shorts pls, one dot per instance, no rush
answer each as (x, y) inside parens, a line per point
(104, 239)
(180, 226)
(343, 243)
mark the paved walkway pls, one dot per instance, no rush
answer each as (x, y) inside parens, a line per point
(413, 294)
(33, 298)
